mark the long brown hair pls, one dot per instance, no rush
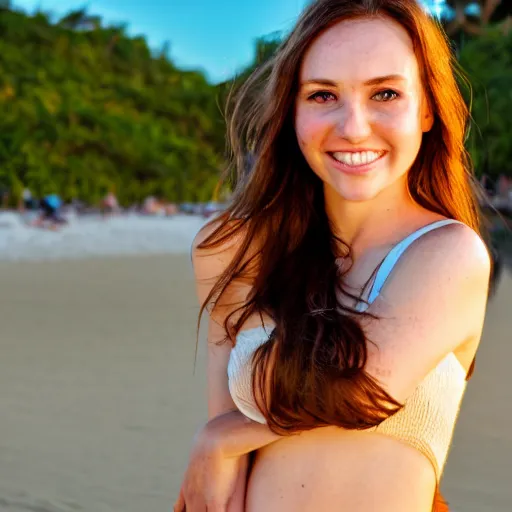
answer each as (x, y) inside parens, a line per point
(311, 372)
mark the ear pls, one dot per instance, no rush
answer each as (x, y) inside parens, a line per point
(427, 116)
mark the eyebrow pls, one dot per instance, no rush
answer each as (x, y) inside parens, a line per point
(372, 81)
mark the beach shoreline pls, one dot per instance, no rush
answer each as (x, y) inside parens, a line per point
(94, 236)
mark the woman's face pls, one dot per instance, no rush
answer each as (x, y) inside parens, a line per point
(360, 111)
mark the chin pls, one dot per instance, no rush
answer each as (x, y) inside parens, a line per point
(366, 189)
(356, 194)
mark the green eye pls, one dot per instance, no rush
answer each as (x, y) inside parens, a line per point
(387, 95)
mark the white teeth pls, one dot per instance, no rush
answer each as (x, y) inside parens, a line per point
(359, 158)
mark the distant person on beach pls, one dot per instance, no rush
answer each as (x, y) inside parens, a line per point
(158, 206)
(151, 206)
(346, 282)
(27, 200)
(110, 204)
(50, 216)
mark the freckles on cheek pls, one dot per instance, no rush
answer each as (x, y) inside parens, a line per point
(310, 132)
(405, 123)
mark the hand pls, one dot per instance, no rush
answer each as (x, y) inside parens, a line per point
(213, 481)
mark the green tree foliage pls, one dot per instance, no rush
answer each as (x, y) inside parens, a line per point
(265, 48)
(487, 60)
(85, 108)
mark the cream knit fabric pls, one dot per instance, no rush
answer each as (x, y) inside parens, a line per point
(426, 421)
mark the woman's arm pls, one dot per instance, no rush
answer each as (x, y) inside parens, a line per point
(223, 414)
(443, 311)
(432, 304)
(232, 434)
(211, 478)
(209, 264)
(220, 403)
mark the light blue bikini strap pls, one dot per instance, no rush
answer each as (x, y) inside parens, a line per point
(397, 251)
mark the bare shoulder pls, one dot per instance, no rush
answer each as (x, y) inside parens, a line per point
(432, 305)
(215, 226)
(211, 256)
(453, 258)
(460, 277)
(456, 240)
(214, 249)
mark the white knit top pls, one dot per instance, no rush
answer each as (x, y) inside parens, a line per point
(428, 417)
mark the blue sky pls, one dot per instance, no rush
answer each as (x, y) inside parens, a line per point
(216, 36)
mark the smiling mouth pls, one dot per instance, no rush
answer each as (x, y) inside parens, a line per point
(358, 158)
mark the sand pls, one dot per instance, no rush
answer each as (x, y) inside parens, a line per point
(99, 401)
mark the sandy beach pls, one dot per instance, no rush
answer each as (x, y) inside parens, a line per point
(99, 398)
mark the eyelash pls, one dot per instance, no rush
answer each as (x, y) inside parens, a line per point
(326, 93)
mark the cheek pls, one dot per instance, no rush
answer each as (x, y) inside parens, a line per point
(401, 122)
(310, 130)
(404, 134)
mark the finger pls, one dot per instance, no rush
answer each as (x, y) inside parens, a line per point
(179, 506)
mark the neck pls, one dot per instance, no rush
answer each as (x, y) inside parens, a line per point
(376, 222)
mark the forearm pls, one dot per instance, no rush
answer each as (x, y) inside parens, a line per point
(238, 435)
(237, 501)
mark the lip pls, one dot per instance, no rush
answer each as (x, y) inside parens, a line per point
(355, 169)
(356, 150)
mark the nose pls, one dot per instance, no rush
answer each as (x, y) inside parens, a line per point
(354, 125)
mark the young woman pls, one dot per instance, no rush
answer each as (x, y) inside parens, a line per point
(346, 284)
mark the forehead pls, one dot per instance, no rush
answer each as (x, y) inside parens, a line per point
(357, 50)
